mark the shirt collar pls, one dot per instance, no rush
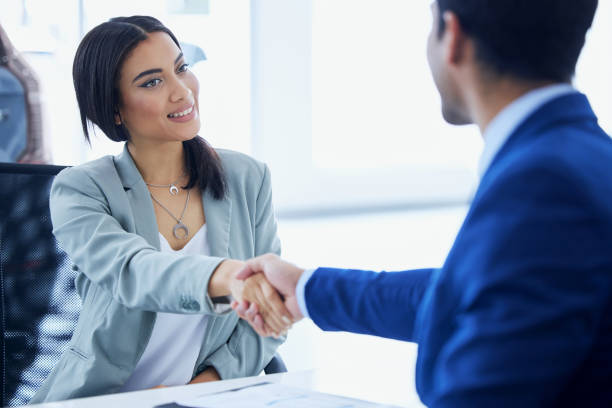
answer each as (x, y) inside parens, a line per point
(506, 121)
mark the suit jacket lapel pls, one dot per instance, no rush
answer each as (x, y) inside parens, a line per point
(218, 215)
(139, 198)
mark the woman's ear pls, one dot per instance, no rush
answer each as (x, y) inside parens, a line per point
(117, 118)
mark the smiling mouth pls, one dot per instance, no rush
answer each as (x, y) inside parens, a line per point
(182, 113)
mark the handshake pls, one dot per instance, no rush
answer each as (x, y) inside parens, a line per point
(264, 294)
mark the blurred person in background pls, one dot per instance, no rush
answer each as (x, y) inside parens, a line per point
(22, 138)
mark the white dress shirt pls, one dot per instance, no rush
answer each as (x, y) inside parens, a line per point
(495, 136)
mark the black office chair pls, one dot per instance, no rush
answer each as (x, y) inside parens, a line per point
(38, 302)
(39, 305)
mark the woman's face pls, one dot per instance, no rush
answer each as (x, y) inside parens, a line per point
(158, 93)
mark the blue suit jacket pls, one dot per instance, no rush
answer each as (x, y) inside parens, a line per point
(520, 315)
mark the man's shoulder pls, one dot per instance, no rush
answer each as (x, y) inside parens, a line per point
(564, 135)
(578, 153)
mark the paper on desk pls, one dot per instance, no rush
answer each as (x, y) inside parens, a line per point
(272, 395)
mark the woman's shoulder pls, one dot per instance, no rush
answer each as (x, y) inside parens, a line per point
(241, 166)
(244, 175)
(87, 174)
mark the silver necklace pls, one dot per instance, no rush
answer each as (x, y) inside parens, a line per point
(173, 188)
(179, 221)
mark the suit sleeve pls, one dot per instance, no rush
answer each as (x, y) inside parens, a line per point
(534, 279)
(246, 353)
(382, 304)
(125, 264)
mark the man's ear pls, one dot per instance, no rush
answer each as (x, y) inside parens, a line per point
(454, 38)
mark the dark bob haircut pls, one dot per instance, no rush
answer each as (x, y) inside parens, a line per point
(95, 74)
(536, 40)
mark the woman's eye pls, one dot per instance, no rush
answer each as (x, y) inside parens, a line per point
(183, 68)
(152, 83)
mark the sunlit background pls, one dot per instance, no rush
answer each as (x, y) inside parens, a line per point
(336, 96)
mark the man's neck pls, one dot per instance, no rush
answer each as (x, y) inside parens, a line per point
(488, 101)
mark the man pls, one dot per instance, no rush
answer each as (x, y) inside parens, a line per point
(520, 315)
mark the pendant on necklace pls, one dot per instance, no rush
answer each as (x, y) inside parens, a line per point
(173, 189)
(180, 227)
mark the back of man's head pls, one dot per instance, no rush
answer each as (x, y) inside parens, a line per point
(533, 40)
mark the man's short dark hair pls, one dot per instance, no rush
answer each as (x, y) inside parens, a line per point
(526, 39)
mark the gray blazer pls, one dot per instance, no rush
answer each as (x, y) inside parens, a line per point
(104, 219)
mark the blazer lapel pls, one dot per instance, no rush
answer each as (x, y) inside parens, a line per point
(139, 198)
(218, 212)
(218, 215)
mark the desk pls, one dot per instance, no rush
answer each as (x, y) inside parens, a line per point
(380, 388)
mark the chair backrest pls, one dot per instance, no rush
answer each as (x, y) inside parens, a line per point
(39, 305)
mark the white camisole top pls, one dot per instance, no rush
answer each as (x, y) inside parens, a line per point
(174, 346)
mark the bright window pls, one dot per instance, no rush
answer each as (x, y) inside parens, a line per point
(335, 95)
(351, 118)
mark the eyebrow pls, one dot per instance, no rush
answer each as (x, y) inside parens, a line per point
(155, 70)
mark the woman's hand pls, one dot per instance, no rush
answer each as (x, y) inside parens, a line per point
(257, 291)
(283, 275)
(208, 375)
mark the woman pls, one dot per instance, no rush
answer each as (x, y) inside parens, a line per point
(150, 231)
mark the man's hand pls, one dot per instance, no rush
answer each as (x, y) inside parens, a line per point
(256, 290)
(283, 276)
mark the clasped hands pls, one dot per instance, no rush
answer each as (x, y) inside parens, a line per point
(264, 294)
(263, 289)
